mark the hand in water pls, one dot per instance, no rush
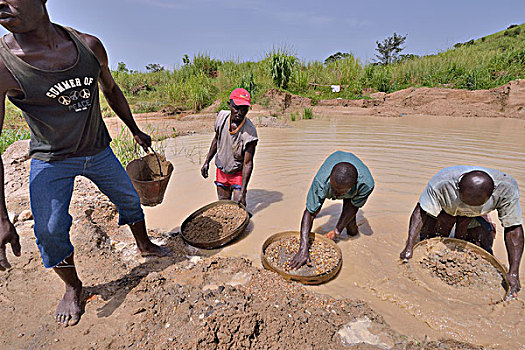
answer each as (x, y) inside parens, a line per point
(301, 258)
(204, 170)
(8, 235)
(406, 253)
(515, 286)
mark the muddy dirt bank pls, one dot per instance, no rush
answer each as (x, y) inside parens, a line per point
(183, 301)
(506, 101)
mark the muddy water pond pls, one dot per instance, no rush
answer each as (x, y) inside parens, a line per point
(403, 154)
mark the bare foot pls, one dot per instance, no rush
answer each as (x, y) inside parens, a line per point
(352, 230)
(332, 235)
(152, 249)
(68, 310)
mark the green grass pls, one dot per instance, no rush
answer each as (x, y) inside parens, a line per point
(483, 63)
(126, 149)
(10, 136)
(14, 129)
(308, 113)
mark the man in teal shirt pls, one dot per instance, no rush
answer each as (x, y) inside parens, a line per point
(342, 176)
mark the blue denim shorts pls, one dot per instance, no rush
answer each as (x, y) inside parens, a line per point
(51, 187)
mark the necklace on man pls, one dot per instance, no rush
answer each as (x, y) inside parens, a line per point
(238, 128)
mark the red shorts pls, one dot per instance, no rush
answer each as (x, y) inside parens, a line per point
(229, 180)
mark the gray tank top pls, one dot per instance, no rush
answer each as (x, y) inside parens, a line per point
(61, 107)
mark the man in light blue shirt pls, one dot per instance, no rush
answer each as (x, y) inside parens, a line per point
(341, 176)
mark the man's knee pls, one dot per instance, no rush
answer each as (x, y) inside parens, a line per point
(444, 224)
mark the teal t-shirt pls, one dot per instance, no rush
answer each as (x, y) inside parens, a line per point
(321, 189)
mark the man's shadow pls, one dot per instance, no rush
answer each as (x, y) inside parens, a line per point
(334, 211)
(115, 292)
(259, 199)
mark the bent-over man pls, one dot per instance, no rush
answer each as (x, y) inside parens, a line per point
(462, 196)
(341, 176)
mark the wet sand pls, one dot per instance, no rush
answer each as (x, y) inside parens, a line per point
(403, 154)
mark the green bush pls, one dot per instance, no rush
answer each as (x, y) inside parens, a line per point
(308, 113)
(281, 65)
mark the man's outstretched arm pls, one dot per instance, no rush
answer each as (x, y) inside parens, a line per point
(116, 99)
(303, 256)
(514, 244)
(416, 223)
(349, 212)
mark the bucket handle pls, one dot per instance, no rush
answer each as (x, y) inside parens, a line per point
(155, 153)
(158, 160)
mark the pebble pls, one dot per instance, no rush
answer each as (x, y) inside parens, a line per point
(13, 217)
(461, 268)
(25, 215)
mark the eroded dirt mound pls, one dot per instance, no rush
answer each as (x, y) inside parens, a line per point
(282, 100)
(504, 101)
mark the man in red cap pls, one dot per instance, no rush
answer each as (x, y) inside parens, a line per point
(234, 147)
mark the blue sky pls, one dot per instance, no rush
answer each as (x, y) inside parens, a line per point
(139, 32)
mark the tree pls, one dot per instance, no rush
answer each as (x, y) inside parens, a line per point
(121, 67)
(407, 57)
(186, 60)
(336, 57)
(390, 48)
(154, 67)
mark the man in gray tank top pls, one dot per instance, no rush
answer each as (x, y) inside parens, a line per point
(233, 148)
(53, 74)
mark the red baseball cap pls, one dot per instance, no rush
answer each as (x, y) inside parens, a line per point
(241, 97)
